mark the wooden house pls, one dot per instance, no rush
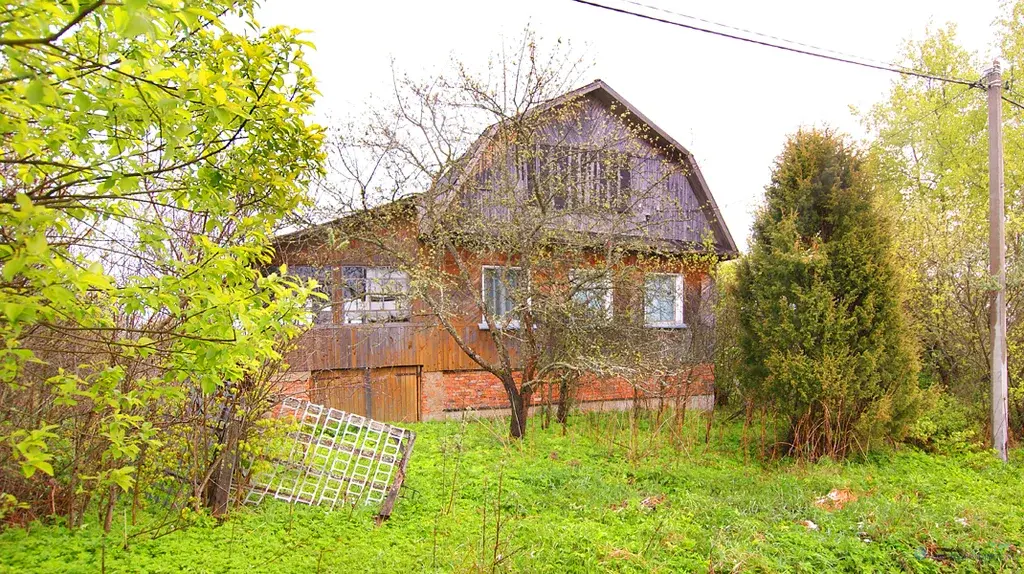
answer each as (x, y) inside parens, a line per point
(377, 353)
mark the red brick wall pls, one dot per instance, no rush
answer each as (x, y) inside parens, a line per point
(293, 384)
(480, 390)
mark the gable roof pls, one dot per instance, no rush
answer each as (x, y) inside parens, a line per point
(603, 93)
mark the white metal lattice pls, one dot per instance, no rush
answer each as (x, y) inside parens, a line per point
(334, 457)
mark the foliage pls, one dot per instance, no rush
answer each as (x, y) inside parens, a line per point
(728, 355)
(575, 503)
(824, 339)
(930, 140)
(949, 426)
(148, 153)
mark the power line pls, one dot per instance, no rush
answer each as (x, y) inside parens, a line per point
(1013, 103)
(756, 33)
(1017, 95)
(817, 54)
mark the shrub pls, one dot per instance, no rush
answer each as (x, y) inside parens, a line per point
(823, 335)
(948, 427)
(150, 152)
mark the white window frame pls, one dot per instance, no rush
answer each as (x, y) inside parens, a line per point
(605, 283)
(501, 323)
(367, 311)
(679, 321)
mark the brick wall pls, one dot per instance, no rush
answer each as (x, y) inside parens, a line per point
(294, 384)
(452, 391)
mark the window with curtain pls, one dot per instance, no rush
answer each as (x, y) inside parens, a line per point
(374, 294)
(360, 294)
(663, 300)
(499, 286)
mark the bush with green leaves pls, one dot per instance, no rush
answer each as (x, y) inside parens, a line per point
(148, 153)
(823, 335)
(950, 426)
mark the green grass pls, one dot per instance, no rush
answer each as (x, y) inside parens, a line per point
(574, 504)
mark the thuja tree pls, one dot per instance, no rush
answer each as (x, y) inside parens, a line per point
(513, 205)
(147, 154)
(825, 343)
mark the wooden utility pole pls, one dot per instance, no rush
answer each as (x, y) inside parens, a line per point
(997, 258)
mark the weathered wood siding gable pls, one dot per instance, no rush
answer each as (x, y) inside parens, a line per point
(667, 208)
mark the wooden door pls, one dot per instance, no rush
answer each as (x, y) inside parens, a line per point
(390, 394)
(396, 394)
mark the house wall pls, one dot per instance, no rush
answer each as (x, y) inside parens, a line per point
(421, 341)
(456, 394)
(451, 381)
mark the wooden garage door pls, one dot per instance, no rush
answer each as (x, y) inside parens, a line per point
(387, 394)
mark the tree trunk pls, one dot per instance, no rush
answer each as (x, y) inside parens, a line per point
(562, 414)
(520, 401)
(219, 487)
(108, 513)
(546, 394)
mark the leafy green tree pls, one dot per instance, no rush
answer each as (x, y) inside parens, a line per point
(824, 339)
(930, 140)
(147, 154)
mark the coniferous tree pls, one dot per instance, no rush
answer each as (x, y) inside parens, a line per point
(824, 336)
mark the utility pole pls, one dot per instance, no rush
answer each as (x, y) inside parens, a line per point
(997, 258)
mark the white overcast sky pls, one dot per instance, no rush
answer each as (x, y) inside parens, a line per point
(731, 103)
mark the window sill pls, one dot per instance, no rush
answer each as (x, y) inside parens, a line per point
(667, 325)
(511, 326)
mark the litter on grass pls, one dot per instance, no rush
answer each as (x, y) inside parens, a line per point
(809, 525)
(836, 499)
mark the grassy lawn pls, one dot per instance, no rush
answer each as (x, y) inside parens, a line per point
(596, 499)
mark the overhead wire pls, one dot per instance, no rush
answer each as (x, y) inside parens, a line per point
(1010, 95)
(756, 33)
(804, 49)
(1014, 103)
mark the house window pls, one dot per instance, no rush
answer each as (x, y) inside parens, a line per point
(360, 294)
(499, 286)
(663, 300)
(592, 290)
(353, 286)
(374, 295)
